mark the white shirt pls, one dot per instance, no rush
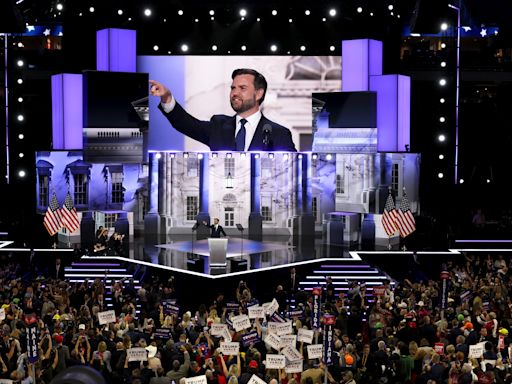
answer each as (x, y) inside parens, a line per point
(250, 126)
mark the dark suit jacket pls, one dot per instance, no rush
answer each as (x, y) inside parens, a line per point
(219, 132)
(216, 232)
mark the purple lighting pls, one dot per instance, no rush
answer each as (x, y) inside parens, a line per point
(67, 111)
(116, 50)
(361, 59)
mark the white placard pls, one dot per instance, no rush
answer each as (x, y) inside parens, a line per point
(305, 335)
(284, 328)
(256, 380)
(273, 340)
(288, 341)
(137, 354)
(294, 366)
(475, 351)
(2, 314)
(266, 306)
(230, 348)
(315, 351)
(275, 361)
(216, 329)
(196, 380)
(292, 354)
(256, 312)
(274, 306)
(106, 317)
(272, 326)
(226, 335)
(241, 322)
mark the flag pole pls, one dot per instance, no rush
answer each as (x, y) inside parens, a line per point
(389, 243)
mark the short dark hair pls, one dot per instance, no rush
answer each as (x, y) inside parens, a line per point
(259, 80)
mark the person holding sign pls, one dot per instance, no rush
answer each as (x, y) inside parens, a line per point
(101, 359)
(178, 370)
(234, 369)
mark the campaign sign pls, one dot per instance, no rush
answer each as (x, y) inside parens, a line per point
(137, 354)
(232, 307)
(106, 317)
(256, 380)
(476, 351)
(2, 314)
(297, 314)
(315, 351)
(275, 361)
(32, 350)
(252, 303)
(315, 320)
(294, 366)
(273, 340)
(170, 307)
(329, 322)
(241, 322)
(226, 335)
(274, 306)
(305, 335)
(256, 312)
(284, 328)
(272, 326)
(216, 329)
(292, 354)
(277, 318)
(379, 291)
(250, 338)
(163, 333)
(196, 380)
(439, 348)
(230, 348)
(501, 342)
(288, 341)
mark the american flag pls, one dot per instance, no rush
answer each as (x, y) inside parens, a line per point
(69, 215)
(389, 217)
(405, 220)
(52, 217)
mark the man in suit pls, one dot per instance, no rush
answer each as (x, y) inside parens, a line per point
(216, 228)
(248, 130)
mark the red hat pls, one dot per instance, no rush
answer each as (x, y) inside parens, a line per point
(349, 359)
(468, 325)
(59, 338)
(253, 364)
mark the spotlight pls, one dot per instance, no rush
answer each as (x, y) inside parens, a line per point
(302, 48)
(256, 155)
(200, 156)
(359, 9)
(59, 7)
(147, 12)
(229, 155)
(196, 20)
(442, 82)
(214, 155)
(443, 64)
(184, 47)
(21, 136)
(214, 47)
(243, 12)
(243, 47)
(20, 45)
(441, 157)
(290, 21)
(286, 156)
(443, 45)
(243, 155)
(307, 12)
(180, 12)
(324, 19)
(274, 12)
(119, 12)
(212, 18)
(442, 119)
(158, 155)
(22, 173)
(328, 157)
(488, 181)
(258, 19)
(442, 100)
(20, 117)
(440, 175)
(270, 155)
(20, 99)
(332, 48)
(371, 13)
(444, 26)
(91, 9)
(20, 81)
(273, 48)
(314, 156)
(212, 12)
(332, 12)
(21, 154)
(20, 63)
(185, 155)
(299, 156)
(173, 155)
(390, 7)
(441, 138)
(461, 181)
(155, 48)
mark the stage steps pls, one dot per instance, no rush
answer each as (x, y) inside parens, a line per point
(109, 271)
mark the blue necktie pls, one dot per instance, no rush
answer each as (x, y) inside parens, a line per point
(240, 136)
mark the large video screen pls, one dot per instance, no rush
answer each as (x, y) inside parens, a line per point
(201, 85)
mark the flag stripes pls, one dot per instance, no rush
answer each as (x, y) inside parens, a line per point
(52, 218)
(69, 215)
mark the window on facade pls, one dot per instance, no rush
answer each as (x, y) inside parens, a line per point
(229, 167)
(43, 190)
(314, 208)
(267, 165)
(117, 187)
(229, 216)
(266, 208)
(394, 178)
(81, 189)
(192, 207)
(110, 220)
(340, 184)
(192, 167)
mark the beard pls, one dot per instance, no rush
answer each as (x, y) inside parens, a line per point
(241, 106)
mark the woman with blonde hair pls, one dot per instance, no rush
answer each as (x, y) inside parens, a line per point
(101, 359)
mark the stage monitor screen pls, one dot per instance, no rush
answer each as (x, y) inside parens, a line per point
(201, 85)
(350, 109)
(109, 97)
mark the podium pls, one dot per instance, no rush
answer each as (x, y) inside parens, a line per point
(218, 249)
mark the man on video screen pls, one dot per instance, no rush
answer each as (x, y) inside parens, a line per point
(248, 130)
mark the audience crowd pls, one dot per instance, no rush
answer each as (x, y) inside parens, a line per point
(404, 332)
